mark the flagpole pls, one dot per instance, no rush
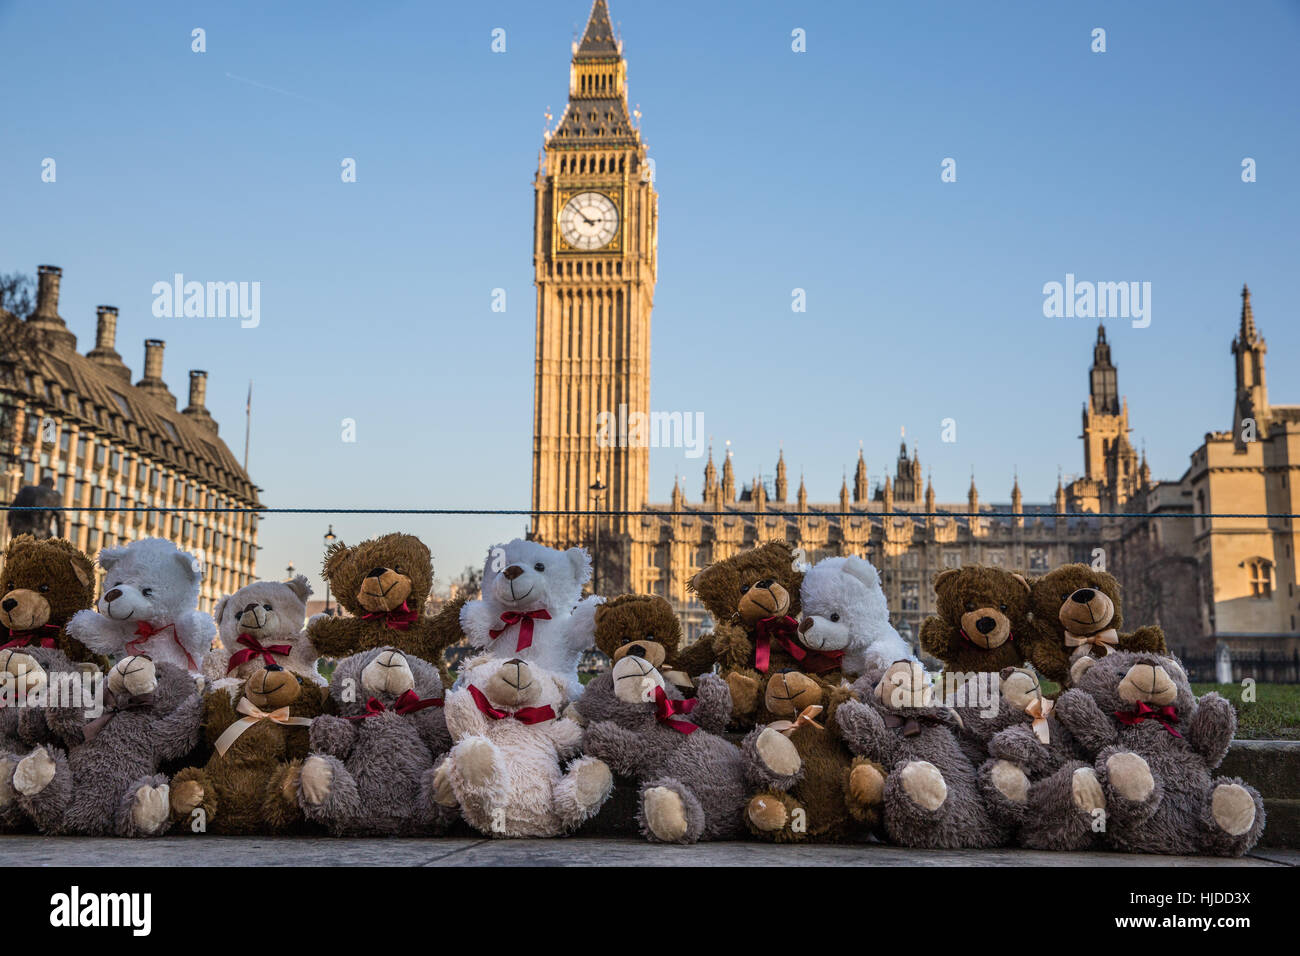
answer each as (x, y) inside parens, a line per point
(248, 422)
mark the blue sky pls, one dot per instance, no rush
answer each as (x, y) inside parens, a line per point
(776, 170)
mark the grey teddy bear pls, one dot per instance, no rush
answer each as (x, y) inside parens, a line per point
(370, 770)
(693, 782)
(107, 782)
(1154, 745)
(23, 672)
(931, 795)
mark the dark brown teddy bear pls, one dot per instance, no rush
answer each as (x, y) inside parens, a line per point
(43, 584)
(384, 583)
(644, 626)
(754, 599)
(1076, 611)
(983, 620)
(260, 737)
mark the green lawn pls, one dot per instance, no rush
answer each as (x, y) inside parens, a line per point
(1273, 715)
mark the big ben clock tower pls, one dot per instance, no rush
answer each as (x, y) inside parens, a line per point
(594, 256)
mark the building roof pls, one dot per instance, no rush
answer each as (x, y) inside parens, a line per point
(598, 39)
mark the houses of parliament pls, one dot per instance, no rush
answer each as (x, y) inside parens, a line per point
(595, 268)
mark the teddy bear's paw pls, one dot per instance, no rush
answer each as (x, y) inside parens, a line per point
(867, 784)
(778, 754)
(19, 670)
(664, 814)
(291, 784)
(443, 793)
(7, 765)
(133, 676)
(34, 772)
(151, 808)
(1130, 776)
(592, 782)
(924, 784)
(186, 797)
(1233, 808)
(317, 777)
(1010, 781)
(767, 813)
(476, 759)
(572, 713)
(744, 693)
(1085, 790)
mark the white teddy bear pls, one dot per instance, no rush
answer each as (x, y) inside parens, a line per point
(844, 609)
(528, 608)
(148, 608)
(261, 625)
(506, 770)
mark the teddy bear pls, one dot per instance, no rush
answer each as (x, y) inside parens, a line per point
(149, 606)
(506, 769)
(844, 610)
(370, 770)
(805, 783)
(1075, 611)
(931, 794)
(43, 584)
(982, 624)
(262, 624)
(530, 608)
(383, 583)
(1154, 746)
(753, 597)
(105, 779)
(259, 736)
(646, 626)
(692, 781)
(24, 672)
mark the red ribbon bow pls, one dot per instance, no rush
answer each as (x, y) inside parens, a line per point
(398, 619)
(28, 636)
(783, 631)
(1166, 715)
(525, 620)
(408, 703)
(666, 710)
(252, 648)
(144, 630)
(525, 715)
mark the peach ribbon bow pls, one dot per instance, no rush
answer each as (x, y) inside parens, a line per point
(1107, 640)
(805, 719)
(256, 716)
(1039, 708)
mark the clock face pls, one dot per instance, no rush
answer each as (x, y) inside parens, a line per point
(589, 221)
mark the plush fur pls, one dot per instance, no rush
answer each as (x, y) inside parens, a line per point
(522, 577)
(982, 623)
(271, 613)
(107, 783)
(43, 584)
(644, 626)
(1076, 602)
(507, 775)
(693, 784)
(24, 672)
(931, 794)
(151, 593)
(844, 610)
(252, 788)
(1160, 795)
(384, 584)
(370, 771)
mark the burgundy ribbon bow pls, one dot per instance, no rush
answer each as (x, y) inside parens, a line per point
(408, 703)
(666, 710)
(525, 715)
(113, 707)
(525, 622)
(1167, 716)
(144, 630)
(252, 648)
(25, 638)
(398, 619)
(783, 631)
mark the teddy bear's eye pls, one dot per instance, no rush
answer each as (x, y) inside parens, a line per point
(267, 606)
(970, 605)
(398, 569)
(835, 615)
(1002, 607)
(146, 591)
(539, 567)
(43, 588)
(744, 589)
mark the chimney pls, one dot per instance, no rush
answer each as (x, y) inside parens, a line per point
(46, 317)
(153, 381)
(197, 409)
(105, 336)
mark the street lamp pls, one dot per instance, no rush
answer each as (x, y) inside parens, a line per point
(597, 491)
(290, 570)
(330, 537)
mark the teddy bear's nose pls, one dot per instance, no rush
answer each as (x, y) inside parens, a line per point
(637, 649)
(274, 667)
(764, 584)
(9, 604)
(112, 595)
(1083, 595)
(515, 660)
(805, 625)
(250, 607)
(513, 572)
(376, 572)
(985, 624)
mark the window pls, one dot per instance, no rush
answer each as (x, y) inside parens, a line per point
(1260, 572)
(122, 403)
(171, 430)
(952, 559)
(997, 559)
(1037, 559)
(911, 596)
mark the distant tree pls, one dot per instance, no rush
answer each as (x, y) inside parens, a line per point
(17, 293)
(468, 584)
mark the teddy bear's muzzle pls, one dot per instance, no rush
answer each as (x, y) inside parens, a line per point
(513, 685)
(788, 693)
(648, 649)
(986, 627)
(383, 589)
(272, 687)
(388, 673)
(23, 609)
(1087, 610)
(765, 598)
(1149, 683)
(635, 679)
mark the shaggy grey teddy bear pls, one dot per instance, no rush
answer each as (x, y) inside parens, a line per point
(692, 780)
(931, 797)
(370, 771)
(1154, 745)
(107, 782)
(24, 674)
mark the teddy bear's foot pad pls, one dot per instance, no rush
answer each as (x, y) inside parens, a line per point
(1010, 781)
(317, 778)
(767, 814)
(867, 784)
(151, 808)
(924, 784)
(664, 814)
(1130, 776)
(1085, 790)
(777, 752)
(1233, 808)
(34, 772)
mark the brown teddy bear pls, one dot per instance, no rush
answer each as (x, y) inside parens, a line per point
(383, 584)
(982, 623)
(644, 626)
(810, 787)
(42, 585)
(1076, 612)
(259, 736)
(754, 599)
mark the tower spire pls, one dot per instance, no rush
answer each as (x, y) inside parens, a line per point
(860, 477)
(782, 485)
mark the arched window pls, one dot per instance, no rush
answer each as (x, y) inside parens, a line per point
(1260, 574)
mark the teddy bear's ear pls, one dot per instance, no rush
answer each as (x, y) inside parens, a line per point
(1021, 578)
(335, 555)
(192, 565)
(581, 562)
(862, 570)
(221, 606)
(81, 567)
(942, 576)
(110, 556)
(300, 587)
(1081, 667)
